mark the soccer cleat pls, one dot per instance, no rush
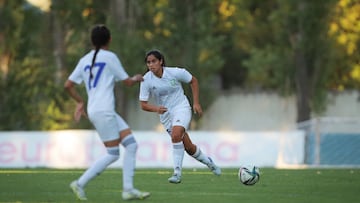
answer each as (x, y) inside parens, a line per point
(78, 191)
(134, 194)
(214, 168)
(175, 178)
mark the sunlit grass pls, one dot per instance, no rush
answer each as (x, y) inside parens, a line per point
(198, 186)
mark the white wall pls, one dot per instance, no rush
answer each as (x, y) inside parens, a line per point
(346, 104)
(252, 112)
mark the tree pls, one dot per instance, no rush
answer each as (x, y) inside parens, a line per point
(22, 77)
(296, 58)
(312, 67)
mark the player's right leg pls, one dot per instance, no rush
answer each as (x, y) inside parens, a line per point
(177, 133)
(135, 194)
(129, 143)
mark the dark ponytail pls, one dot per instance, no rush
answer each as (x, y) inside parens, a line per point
(93, 61)
(100, 36)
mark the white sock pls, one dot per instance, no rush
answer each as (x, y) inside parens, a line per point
(178, 155)
(130, 146)
(99, 166)
(198, 155)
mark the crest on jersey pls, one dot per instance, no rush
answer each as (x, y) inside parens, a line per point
(173, 82)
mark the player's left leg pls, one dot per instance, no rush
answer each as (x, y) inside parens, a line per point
(196, 153)
(95, 169)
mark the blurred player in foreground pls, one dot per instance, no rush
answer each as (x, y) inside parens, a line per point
(99, 70)
(164, 84)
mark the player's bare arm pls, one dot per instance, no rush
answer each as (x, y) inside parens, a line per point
(195, 92)
(152, 108)
(133, 80)
(80, 106)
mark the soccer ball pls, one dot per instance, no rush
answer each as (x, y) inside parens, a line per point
(249, 175)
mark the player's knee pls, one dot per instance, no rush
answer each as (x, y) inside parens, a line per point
(176, 137)
(114, 152)
(130, 143)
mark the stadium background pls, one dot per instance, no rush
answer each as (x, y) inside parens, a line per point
(261, 130)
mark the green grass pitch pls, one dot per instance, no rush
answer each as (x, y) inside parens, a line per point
(197, 186)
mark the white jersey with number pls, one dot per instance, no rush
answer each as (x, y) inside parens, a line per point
(167, 91)
(100, 89)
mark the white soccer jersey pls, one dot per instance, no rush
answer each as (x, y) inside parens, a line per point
(100, 89)
(167, 90)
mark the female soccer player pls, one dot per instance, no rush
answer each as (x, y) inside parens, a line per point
(99, 70)
(164, 84)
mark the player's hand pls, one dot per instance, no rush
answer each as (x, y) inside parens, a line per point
(137, 78)
(161, 110)
(79, 111)
(197, 109)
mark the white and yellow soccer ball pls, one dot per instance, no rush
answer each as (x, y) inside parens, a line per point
(249, 175)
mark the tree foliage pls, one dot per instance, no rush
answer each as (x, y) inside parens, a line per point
(22, 70)
(345, 31)
(292, 47)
